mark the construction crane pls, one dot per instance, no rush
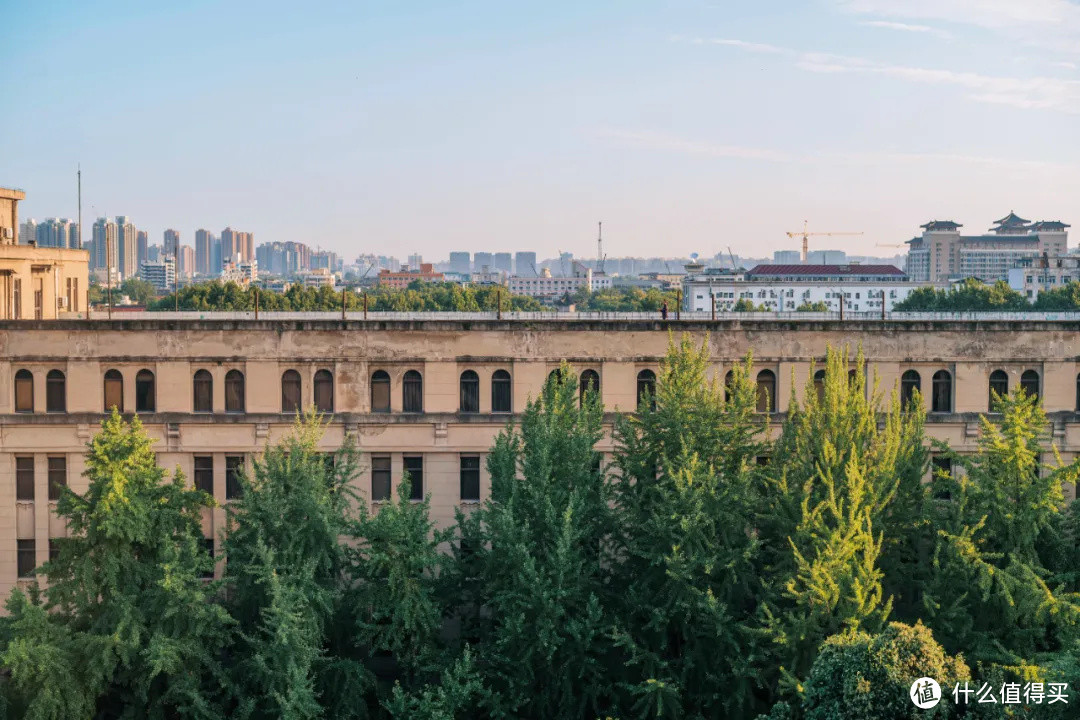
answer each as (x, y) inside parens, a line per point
(892, 245)
(600, 256)
(805, 235)
(732, 256)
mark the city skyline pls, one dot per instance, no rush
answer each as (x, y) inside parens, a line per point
(688, 126)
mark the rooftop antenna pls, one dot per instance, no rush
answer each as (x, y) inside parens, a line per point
(78, 175)
(600, 246)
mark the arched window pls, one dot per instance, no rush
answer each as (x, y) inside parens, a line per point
(203, 387)
(558, 375)
(590, 381)
(114, 390)
(234, 391)
(766, 391)
(819, 385)
(999, 383)
(910, 383)
(324, 391)
(500, 392)
(1029, 383)
(145, 396)
(380, 392)
(729, 381)
(412, 392)
(290, 391)
(55, 392)
(941, 400)
(646, 389)
(470, 392)
(24, 391)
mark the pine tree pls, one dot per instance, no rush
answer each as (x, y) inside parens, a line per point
(537, 551)
(685, 546)
(127, 629)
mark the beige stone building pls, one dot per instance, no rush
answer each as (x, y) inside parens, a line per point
(431, 393)
(37, 283)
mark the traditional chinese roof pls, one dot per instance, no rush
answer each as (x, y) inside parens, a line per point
(941, 225)
(817, 270)
(1011, 220)
(1051, 225)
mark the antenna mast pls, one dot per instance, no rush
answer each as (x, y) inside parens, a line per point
(600, 246)
(79, 176)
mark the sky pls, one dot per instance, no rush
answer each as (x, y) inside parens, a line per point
(400, 127)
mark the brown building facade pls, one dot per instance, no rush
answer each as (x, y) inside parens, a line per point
(431, 394)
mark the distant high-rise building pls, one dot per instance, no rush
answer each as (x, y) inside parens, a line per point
(103, 252)
(416, 260)
(171, 243)
(217, 259)
(141, 243)
(161, 274)
(503, 261)
(525, 264)
(127, 246)
(28, 232)
(787, 257)
(482, 260)
(185, 264)
(289, 258)
(237, 245)
(154, 253)
(826, 257)
(324, 259)
(203, 238)
(460, 263)
(57, 233)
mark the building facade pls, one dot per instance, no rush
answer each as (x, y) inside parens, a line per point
(161, 274)
(941, 253)
(1032, 276)
(127, 243)
(406, 275)
(783, 288)
(432, 394)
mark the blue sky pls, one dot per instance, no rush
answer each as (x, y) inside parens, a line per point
(685, 125)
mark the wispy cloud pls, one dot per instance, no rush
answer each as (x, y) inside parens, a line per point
(744, 45)
(666, 142)
(1044, 93)
(1048, 24)
(1065, 64)
(908, 27)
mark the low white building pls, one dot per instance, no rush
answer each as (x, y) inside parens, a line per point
(317, 278)
(783, 288)
(241, 273)
(1036, 274)
(161, 274)
(550, 287)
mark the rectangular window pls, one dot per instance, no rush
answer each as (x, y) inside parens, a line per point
(380, 478)
(470, 478)
(234, 465)
(414, 465)
(204, 473)
(18, 299)
(27, 558)
(54, 550)
(57, 476)
(24, 478)
(208, 546)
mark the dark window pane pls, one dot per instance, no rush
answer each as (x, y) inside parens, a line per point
(290, 391)
(204, 473)
(590, 382)
(470, 478)
(470, 392)
(942, 392)
(55, 392)
(819, 385)
(114, 391)
(54, 550)
(324, 391)
(766, 391)
(500, 391)
(234, 391)
(380, 478)
(646, 388)
(1029, 383)
(24, 391)
(234, 465)
(380, 391)
(910, 383)
(57, 476)
(144, 391)
(414, 465)
(24, 478)
(204, 392)
(999, 384)
(208, 547)
(729, 381)
(27, 558)
(413, 392)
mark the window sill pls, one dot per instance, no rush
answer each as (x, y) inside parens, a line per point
(470, 502)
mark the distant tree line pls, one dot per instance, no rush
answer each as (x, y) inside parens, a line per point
(972, 295)
(708, 571)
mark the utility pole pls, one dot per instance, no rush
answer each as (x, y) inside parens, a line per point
(79, 176)
(108, 266)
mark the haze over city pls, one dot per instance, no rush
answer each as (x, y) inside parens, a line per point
(424, 127)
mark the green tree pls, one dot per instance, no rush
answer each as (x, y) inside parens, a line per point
(536, 551)
(140, 291)
(686, 544)
(745, 305)
(128, 628)
(1059, 298)
(970, 295)
(816, 306)
(868, 677)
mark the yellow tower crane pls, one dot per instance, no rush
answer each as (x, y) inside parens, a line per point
(805, 237)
